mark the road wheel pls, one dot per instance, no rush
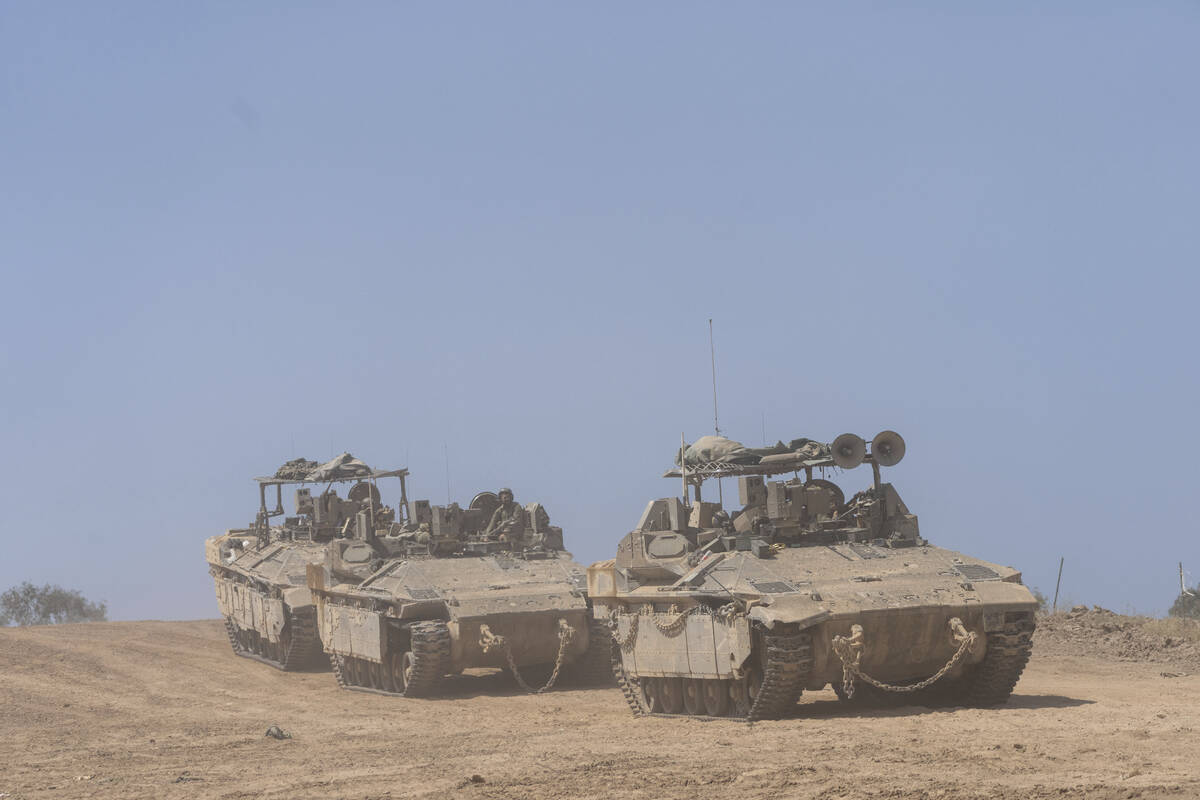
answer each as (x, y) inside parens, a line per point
(284, 646)
(745, 691)
(716, 697)
(387, 674)
(407, 663)
(672, 695)
(693, 696)
(651, 694)
(375, 674)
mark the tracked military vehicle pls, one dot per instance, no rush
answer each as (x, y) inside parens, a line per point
(720, 613)
(260, 571)
(484, 586)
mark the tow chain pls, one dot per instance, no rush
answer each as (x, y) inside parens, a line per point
(850, 649)
(490, 641)
(628, 639)
(675, 625)
(666, 628)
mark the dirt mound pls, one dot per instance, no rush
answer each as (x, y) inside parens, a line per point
(1099, 633)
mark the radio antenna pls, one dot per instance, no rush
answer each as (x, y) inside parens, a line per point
(712, 353)
(683, 465)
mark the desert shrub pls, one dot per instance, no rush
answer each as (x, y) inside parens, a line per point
(1187, 605)
(47, 605)
(1180, 629)
(1042, 601)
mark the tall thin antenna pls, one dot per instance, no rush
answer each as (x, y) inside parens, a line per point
(712, 352)
(446, 456)
(683, 465)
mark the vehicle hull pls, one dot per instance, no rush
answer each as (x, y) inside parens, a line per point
(459, 613)
(908, 607)
(263, 595)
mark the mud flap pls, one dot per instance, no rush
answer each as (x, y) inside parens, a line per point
(353, 632)
(274, 617)
(225, 604)
(250, 610)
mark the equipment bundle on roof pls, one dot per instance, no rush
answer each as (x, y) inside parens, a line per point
(719, 449)
(344, 467)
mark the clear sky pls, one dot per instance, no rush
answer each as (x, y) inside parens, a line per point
(234, 233)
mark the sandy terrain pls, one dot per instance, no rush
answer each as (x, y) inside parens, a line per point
(155, 709)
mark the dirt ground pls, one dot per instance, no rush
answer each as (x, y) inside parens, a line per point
(164, 709)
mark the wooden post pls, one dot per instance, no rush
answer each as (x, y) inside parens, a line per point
(1058, 583)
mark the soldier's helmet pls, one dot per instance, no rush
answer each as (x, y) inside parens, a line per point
(505, 491)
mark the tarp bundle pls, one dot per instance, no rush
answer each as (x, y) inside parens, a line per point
(719, 449)
(296, 470)
(709, 449)
(340, 468)
(809, 449)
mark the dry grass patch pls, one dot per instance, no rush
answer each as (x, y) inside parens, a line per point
(1178, 628)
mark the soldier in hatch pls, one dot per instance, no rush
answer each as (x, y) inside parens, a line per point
(508, 520)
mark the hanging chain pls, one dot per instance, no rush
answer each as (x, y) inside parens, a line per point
(850, 649)
(666, 628)
(624, 642)
(676, 625)
(490, 641)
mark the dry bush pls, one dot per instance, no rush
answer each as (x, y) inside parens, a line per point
(1177, 628)
(47, 605)
(1187, 604)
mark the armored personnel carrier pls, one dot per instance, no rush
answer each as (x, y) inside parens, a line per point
(722, 613)
(261, 571)
(484, 586)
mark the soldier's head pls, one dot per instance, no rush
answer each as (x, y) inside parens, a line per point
(506, 495)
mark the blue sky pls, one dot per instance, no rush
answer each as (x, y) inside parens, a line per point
(231, 234)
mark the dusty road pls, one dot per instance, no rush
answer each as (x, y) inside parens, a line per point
(154, 709)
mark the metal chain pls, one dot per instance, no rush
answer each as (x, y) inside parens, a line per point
(666, 628)
(624, 642)
(490, 641)
(850, 649)
(726, 612)
(675, 625)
